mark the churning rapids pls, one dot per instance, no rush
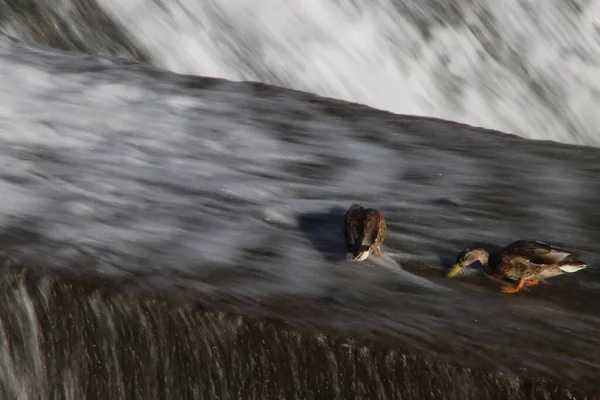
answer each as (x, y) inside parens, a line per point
(181, 237)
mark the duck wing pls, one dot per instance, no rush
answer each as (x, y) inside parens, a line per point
(376, 226)
(541, 253)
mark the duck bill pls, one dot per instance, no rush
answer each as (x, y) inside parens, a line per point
(362, 256)
(456, 268)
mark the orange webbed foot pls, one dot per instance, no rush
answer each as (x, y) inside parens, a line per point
(512, 289)
(508, 289)
(532, 282)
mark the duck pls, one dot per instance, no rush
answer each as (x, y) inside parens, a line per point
(364, 232)
(524, 262)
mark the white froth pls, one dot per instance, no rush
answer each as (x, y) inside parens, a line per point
(523, 67)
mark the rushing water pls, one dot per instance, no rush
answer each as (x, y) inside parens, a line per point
(229, 196)
(66, 341)
(524, 66)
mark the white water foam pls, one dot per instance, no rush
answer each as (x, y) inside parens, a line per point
(527, 67)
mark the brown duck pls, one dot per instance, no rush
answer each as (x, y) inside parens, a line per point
(524, 262)
(364, 232)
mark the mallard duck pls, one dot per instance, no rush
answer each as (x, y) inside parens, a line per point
(525, 262)
(364, 231)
